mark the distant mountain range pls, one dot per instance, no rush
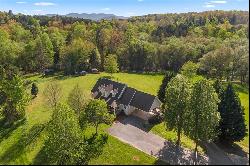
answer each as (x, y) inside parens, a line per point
(92, 16)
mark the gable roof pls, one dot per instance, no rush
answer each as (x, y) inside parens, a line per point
(127, 96)
(107, 86)
(123, 94)
(142, 101)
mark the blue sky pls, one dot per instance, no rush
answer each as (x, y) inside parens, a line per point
(120, 7)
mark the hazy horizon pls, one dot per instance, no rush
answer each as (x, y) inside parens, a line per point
(120, 8)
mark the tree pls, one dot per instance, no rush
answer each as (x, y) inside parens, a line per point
(232, 124)
(13, 95)
(189, 69)
(95, 59)
(27, 61)
(176, 104)
(76, 56)
(89, 148)
(64, 136)
(110, 64)
(96, 112)
(34, 89)
(9, 50)
(58, 41)
(53, 93)
(217, 63)
(219, 89)
(203, 117)
(43, 51)
(76, 99)
(65, 144)
(162, 90)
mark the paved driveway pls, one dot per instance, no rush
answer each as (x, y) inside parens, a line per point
(130, 130)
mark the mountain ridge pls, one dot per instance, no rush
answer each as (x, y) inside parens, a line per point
(91, 16)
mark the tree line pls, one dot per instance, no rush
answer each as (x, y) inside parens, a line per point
(152, 43)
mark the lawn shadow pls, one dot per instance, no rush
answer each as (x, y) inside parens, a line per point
(177, 155)
(232, 149)
(26, 76)
(41, 158)
(7, 130)
(160, 162)
(63, 77)
(17, 149)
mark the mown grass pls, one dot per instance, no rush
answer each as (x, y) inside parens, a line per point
(22, 144)
(16, 147)
(243, 92)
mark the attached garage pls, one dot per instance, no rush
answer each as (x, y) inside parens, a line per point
(120, 97)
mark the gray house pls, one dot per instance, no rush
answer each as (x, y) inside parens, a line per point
(120, 98)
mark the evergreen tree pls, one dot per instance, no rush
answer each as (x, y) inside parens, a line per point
(232, 124)
(162, 90)
(34, 89)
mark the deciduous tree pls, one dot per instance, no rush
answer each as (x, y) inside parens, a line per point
(110, 64)
(53, 93)
(96, 112)
(177, 104)
(203, 117)
(76, 99)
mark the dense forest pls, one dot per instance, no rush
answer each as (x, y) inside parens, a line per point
(216, 40)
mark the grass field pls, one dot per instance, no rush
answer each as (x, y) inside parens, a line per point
(22, 143)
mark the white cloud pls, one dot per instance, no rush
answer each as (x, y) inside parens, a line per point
(21, 2)
(209, 6)
(140, 0)
(44, 4)
(106, 9)
(219, 2)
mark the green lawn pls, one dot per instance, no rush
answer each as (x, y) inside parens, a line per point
(244, 97)
(22, 143)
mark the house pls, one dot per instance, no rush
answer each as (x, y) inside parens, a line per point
(120, 98)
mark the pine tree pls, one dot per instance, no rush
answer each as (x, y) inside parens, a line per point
(34, 89)
(162, 90)
(232, 124)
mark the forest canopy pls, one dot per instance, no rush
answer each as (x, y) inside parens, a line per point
(217, 40)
